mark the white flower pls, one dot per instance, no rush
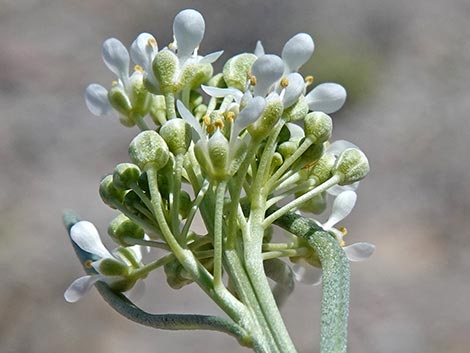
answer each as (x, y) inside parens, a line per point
(326, 97)
(85, 235)
(143, 51)
(342, 207)
(336, 148)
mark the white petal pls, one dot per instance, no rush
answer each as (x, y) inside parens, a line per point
(259, 50)
(218, 92)
(294, 89)
(116, 58)
(338, 189)
(267, 69)
(137, 250)
(326, 97)
(296, 132)
(212, 57)
(86, 236)
(189, 118)
(80, 287)
(297, 51)
(359, 251)
(143, 50)
(188, 28)
(248, 115)
(342, 207)
(306, 273)
(96, 99)
(339, 146)
(136, 292)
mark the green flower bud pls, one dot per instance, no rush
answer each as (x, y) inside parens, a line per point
(317, 204)
(271, 115)
(141, 99)
(322, 170)
(158, 110)
(311, 155)
(165, 68)
(177, 135)
(149, 149)
(297, 111)
(109, 193)
(143, 182)
(125, 174)
(236, 69)
(185, 204)
(112, 267)
(218, 148)
(123, 285)
(175, 275)
(121, 226)
(119, 100)
(217, 81)
(201, 75)
(195, 100)
(352, 165)
(286, 149)
(277, 160)
(318, 126)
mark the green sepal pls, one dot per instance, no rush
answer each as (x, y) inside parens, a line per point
(236, 69)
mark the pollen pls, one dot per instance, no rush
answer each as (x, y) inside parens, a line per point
(171, 46)
(342, 243)
(88, 264)
(219, 124)
(343, 230)
(207, 120)
(138, 68)
(309, 80)
(114, 83)
(152, 42)
(284, 82)
(252, 79)
(230, 116)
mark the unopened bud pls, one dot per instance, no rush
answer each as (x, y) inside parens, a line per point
(322, 170)
(236, 69)
(109, 193)
(352, 165)
(271, 115)
(165, 68)
(148, 148)
(297, 111)
(125, 175)
(318, 126)
(177, 135)
(119, 100)
(121, 227)
(317, 204)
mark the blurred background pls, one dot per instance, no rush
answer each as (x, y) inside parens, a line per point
(406, 66)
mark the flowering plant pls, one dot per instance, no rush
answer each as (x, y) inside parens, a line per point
(234, 147)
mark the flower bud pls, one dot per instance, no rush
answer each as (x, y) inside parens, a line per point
(286, 149)
(133, 201)
(217, 81)
(121, 226)
(311, 155)
(109, 193)
(125, 175)
(202, 74)
(141, 99)
(322, 170)
(236, 69)
(149, 149)
(277, 160)
(177, 135)
(185, 204)
(352, 165)
(175, 275)
(165, 68)
(112, 267)
(297, 111)
(317, 204)
(158, 110)
(271, 115)
(218, 148)
(119, 100)
(318, 126)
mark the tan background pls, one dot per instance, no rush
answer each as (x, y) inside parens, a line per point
(406, 65)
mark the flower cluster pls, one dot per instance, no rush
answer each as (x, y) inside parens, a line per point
(244, 149)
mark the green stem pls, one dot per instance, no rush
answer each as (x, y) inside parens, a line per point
(170, 106)
(218, 223)
(175, 197)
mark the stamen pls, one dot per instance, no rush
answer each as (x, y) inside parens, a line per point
(207, 120)
(342, 243)
(251, 78)
(343, 230)
(219, 124)
(88, 264)
(138, 68)
(114, 83)
(152, 42)
(284, 82)
(309, 80)
(230, 116)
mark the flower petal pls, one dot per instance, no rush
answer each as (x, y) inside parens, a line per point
(190, 119)
(86, 236)
(339, 146)
(326, 97)
(342, 207)
(218, 92)
(188, 28)
(306, 273)
(212, 57)
(296, 132)
(359, 251)
(143, 50)
(267, 69)
(96, 99)
(116, 58)
(259, 50)
(297, 51)
(294, 89)
(338, 189)
(80, 287)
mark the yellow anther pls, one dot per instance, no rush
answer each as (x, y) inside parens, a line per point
(210, 129)
(114, 83)
(251, 78)
(138, 68)
(152, 42)
(342, 243)
(207, 120)
(309, 80)
(219, 124)
(343, 230)
(284, 82)
(171, 46)
(88, 264)
(230, 116)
